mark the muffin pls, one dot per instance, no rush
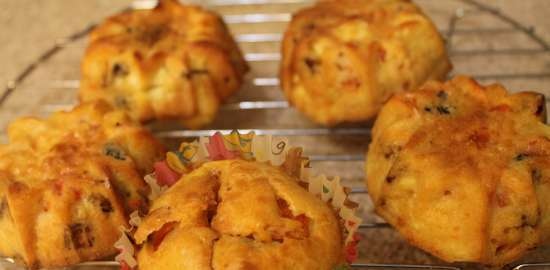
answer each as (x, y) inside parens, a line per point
(172, 62)
(67, 183)
(463, 170)
(241, 201)
(343, 59)
(235, 214)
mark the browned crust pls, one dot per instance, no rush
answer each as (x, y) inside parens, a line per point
(67, 183)
(461, 170)
(343, 59)
(237, 214)
(172, 62)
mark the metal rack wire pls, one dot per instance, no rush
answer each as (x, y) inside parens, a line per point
(267, 81)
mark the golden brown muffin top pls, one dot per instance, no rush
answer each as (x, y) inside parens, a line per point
(343, 59)
(171, 62)
(237, 214)
(168, 26)
(69, 181)
(462, 170)
(92, 141)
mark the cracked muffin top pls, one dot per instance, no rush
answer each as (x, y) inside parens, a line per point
(171, 62)
(68, 182)
(343, 59)
(237, 214)
(463, 170)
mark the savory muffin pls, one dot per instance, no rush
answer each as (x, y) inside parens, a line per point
(172, 62)
(463, 170)
(343, 59)
(67, 183)
(237, 214)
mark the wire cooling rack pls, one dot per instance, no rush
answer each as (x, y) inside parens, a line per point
(482, 42)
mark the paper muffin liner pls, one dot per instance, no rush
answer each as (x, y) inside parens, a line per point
(251, 147)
